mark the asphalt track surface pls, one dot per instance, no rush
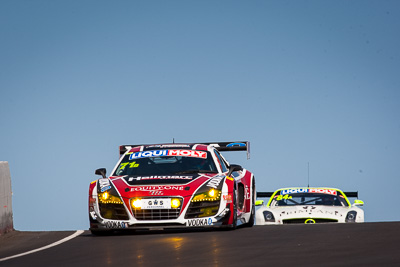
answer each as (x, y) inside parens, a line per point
(367, 244)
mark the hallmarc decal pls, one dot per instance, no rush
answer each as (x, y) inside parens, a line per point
(170, 152)
(155, 188)
(160, 177)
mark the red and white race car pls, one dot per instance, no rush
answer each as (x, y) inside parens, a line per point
(173, 186)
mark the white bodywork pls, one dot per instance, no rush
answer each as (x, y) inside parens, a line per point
(308, 213)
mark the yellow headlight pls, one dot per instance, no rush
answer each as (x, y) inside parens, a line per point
(105, 195)
(137, 203)
(107, 198)
(175, 203)
(211, 193)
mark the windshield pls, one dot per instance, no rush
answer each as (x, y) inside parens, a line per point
(165, 162)
(285, 198)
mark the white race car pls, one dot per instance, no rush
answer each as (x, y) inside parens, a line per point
(308, 205)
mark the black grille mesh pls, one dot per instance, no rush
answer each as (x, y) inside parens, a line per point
(293, 221)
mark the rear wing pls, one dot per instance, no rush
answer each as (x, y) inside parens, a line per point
(269, 194)
(231, 146)
(351, 194)
(220, 146)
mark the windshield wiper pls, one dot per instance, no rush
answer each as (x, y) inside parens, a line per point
(195, 171)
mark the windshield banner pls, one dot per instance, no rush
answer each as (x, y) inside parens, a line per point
(309, 190)
(170, 152)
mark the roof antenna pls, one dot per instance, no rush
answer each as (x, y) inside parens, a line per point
(173, 140)
(308, 174)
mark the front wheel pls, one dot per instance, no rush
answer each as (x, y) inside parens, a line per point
(252, 215)
(234, 210)
(253, 207)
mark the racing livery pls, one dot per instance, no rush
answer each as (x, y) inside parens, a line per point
(173, 186)
(309, 205)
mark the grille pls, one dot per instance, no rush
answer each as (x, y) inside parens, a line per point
(197, 209)
(157, 214)
(113, 211)
(293, 221)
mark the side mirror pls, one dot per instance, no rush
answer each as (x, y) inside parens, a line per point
(259, 202)
(234, 168)
(101, 171)
(358, 202)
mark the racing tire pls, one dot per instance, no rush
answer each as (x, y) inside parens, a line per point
(234, 210)
(252, 215)
(253, 210)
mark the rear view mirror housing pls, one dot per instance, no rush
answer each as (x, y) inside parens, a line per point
(358, 202)
(259, 202)
(234, 168)
(101, 171)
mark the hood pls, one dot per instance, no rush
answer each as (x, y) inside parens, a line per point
(163, 179)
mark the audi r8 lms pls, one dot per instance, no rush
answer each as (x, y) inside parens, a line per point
(309, 205)
(173, 186)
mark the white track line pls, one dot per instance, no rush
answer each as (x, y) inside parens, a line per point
(46, 247)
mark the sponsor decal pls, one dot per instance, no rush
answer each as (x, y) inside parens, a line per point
(309, 190)
(156, 193)
(166, 146)
(131, 165)
(155, 188)
(235, 144)
(116, 224)
(104, 184)
(163, 203)
(246, 193)
(229, 178)
(199, 222)
(227, 198)
(105, 188)
(93, 215)
(160, 177)
(322, 190)
(293, 191)
(280, 197)
(170, 152)
(215, 181)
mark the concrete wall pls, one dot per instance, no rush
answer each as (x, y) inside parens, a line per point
(6, 216)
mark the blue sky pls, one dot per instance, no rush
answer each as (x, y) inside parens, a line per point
(313, 82)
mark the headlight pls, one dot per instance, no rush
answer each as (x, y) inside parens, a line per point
(136, 203)
(351, 216)
(211, 195)
(107, 198)
(269, 216)
(175, 203)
